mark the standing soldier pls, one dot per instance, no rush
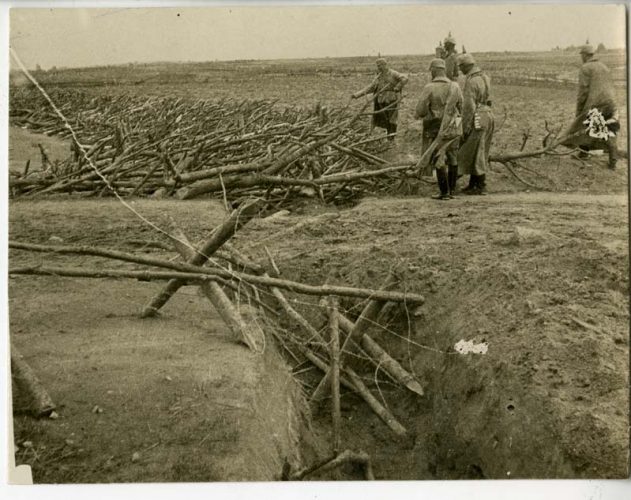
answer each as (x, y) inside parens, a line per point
(439, 51)
(595, 91)
(478, 124)
(439, 107)
(451, 58)
(386, 89)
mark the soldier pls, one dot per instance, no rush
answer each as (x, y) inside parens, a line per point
(439, 107)
(478, 124)
(386, 89)
(451, 58)
(595, 90)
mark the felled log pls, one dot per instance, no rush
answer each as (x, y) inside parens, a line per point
(250, 333)
(351, 380)
(193, 273)
(223, 233)
(366, 319)
(41, 404)
(375, 405)
(334, 343)
(346, 457)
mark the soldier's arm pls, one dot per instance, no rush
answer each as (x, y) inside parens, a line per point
(458, 98)
(370, 89)
(468, 106)
(400, 79)
(480, 90)
(584, 80)
(422, 108)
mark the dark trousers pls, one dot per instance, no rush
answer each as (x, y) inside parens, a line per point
(391, 128)
(447, 179)
(612, 149)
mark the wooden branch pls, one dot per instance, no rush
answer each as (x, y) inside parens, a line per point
(366, 319)
(223, 233)
(390, 365)
(334, 347)
(248, 332)
(518, 177)
(375, 405)
(41, 403)
(346, 457)
(194, 273)
(382, 359)
(354, 383)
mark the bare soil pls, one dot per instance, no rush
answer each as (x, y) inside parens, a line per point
(549, 399)
(542, 277)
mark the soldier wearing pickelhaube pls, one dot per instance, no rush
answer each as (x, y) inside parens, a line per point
(451, 58)
(440, 106)
(386, 90)
(478, 125)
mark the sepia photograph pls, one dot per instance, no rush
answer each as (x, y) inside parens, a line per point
(326, 242)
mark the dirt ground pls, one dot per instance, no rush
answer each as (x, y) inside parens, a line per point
(540, 276)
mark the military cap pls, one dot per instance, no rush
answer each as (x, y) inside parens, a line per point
(437, 64)
(450, 39)
(465, 59)
(587, 49)
(381, 60)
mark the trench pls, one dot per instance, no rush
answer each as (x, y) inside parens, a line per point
(528, 408)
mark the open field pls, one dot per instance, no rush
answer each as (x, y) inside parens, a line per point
(541, 277)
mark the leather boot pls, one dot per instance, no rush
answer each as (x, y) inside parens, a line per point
(612, 150)
(452, 178)
(443, 184)
(473, 185)
(392, 129)
(481, 189)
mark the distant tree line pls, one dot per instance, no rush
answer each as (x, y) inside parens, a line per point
(575, 48)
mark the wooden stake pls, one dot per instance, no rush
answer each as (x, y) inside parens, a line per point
(365, 321)
(375, 405)
(41, 403)
(335, 371)
(237, 219)
(354, 383)
(361, 458)
(249, 332)
(382, 359)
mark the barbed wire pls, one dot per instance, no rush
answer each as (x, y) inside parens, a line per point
(184, 242)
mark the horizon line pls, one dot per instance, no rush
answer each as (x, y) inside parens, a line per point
(214, 61)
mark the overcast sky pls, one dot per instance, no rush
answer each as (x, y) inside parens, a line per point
(87, 37)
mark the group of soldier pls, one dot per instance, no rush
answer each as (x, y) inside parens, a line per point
(458, 123)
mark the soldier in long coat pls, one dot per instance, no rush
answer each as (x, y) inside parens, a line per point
(451, 58)
(386, 89)
(440, 106)
(478, 124)
(595, 90)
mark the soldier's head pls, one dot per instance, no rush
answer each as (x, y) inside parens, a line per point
(450, 43)
(587, 52)
(382, 65)
(465, 63)
(437, 67)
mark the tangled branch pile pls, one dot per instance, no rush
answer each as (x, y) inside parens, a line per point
(255, 301)
(165, 146)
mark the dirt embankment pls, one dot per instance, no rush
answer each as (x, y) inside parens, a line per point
(542, 279)
(167, 399)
